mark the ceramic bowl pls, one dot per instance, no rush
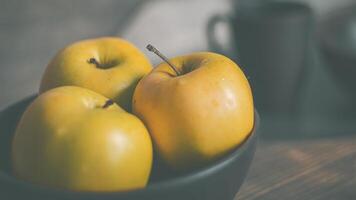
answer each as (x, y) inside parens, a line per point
(220, 180)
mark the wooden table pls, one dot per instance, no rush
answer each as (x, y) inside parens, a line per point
(323, 168)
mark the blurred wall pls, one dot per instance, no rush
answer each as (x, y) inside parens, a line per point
(31, 32)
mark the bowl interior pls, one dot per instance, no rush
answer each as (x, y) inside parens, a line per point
(161, 176)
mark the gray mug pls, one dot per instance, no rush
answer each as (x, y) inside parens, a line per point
(270, 42)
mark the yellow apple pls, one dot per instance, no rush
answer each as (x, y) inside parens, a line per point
(198, 115)
(109, 66)
(73, 138)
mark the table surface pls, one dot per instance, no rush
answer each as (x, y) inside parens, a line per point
(318, 167)
(303, 169)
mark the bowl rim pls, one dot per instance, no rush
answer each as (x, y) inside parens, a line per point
(159, 185)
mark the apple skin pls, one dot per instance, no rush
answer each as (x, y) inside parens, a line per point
(198, 116)
(66, 139)
(122, 65)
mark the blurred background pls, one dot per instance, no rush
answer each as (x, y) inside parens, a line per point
(299, 56)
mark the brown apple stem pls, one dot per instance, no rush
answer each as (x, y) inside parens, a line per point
(159, 54)
(95, 62)
(108, 103)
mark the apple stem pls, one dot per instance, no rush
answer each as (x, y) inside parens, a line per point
(94, 61)
(108, 103)
(159, 54)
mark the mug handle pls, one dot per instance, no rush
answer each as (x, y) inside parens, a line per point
(213, 41)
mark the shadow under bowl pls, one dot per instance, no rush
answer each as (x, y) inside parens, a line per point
(337, 42)
(220, 180)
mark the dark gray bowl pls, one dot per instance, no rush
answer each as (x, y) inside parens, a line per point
(219, 181)
(337, 41)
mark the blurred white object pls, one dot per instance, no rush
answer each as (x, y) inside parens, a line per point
(174, 27)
